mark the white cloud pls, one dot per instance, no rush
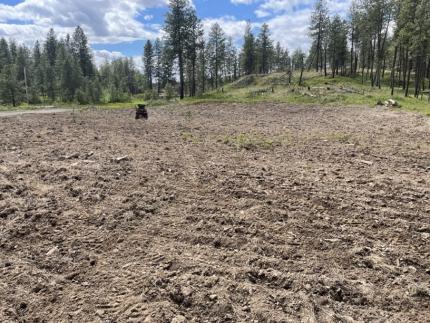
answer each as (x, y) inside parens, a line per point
(291, 29)
(103, 56)
(242, 1)
(289, 19)
(261, 13)
(232, 27)
(105, 21)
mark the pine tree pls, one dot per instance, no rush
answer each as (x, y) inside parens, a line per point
(216, 52)
(50, 54)
(337, 46)
(248, 51)
(192, 47)
(81, 52)
(69, 73)
(5, 58)
(37, 71)
(178, 33)
(148, 62)
(158, 64)
(10, 89)
(318, 30)
(265, 49)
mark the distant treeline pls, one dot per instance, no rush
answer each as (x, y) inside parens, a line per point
(381, 39)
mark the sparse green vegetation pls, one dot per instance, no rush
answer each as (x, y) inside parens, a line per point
(189, 137)
(316, 89)
(251, 141)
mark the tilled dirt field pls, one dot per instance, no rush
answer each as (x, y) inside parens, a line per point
(214, 213)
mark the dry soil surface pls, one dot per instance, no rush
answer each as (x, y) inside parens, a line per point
(36, 111)
(215, 213)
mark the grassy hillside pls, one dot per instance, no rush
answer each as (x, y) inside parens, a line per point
(316, 89)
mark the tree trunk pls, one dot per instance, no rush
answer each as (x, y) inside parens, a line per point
(12, 93)
(325, 62)
(301, 74)
(193, 77)
(428, 69)
(393, 70)
(352, 52)
(181, 77)
(318, 49)
(417, 76)
(409, 78)
(406, 64)
(372, 61)
(384, 67)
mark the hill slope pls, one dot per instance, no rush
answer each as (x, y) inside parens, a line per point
(316, 89)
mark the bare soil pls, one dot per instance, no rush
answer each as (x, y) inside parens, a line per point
(36, 111)
(215, 213)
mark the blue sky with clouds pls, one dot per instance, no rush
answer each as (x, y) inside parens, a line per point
(119, 27)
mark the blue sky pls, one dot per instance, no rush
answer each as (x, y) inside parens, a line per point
(117, 28)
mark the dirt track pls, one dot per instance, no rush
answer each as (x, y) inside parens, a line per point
(325, 217)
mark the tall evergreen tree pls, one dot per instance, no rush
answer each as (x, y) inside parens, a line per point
(337, 47)
(158, 63)
(50, 54)
(148, 61)
(81, 51)
(248, 51)
(178, 32)
(318, 30)
(216, 52)
(265, 49)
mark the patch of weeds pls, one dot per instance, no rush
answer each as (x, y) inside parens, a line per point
(251, 141)
(189, 137)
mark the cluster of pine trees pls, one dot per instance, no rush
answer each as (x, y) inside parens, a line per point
(382, 40)
(57, 70)
(184, 61)
(202, 63)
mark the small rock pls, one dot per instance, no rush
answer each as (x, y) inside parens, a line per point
(186, 291)
(365, 162)
(179, 319)
(100, 312)
(52, 251)
(213, 297)
(73, 156)
(121, 159)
